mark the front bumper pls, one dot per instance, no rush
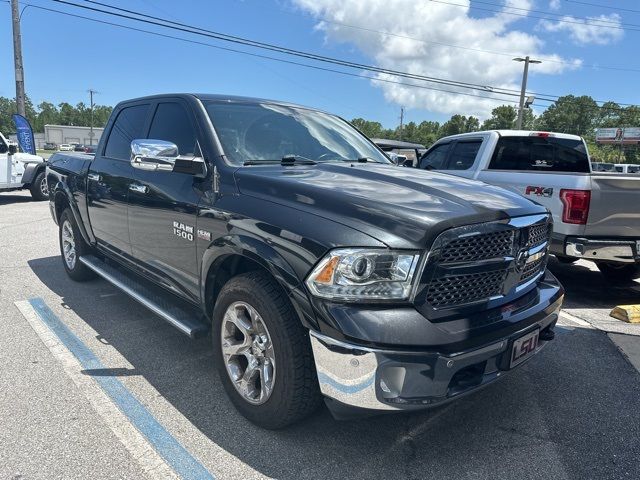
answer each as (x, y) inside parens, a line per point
(622, 251)
(385, 380)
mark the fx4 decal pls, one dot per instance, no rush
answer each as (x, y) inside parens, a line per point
(539, 191)
(183, 231)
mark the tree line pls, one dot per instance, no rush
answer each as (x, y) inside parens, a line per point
(569, 114)
(46, 113)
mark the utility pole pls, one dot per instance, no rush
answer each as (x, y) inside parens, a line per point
(401, 121)
(92, 92)
(17, 58)
(526, 61)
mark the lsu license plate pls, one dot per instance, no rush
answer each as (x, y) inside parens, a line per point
(524, 347)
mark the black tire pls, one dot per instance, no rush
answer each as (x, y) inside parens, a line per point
(567, 260)
(37, 190)
(76, 269)
(619, 272)
(295, 393)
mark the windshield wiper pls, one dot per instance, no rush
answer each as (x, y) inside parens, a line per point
(259, 162)
(299, 159)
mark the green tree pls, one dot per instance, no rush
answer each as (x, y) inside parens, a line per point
(570, 114)
(459, 124)
(369, 128)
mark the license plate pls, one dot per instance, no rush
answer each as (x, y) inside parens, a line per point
(524, 347)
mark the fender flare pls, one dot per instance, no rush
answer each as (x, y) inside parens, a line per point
(261, 252)
(62, 190)
(31, 171)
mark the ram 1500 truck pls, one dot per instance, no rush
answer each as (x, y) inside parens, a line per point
(318, 267)
(596, 216)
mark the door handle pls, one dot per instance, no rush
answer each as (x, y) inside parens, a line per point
(138, 188)
(94, 177)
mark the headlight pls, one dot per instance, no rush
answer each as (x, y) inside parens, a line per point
(359, 274)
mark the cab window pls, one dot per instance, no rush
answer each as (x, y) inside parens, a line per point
(128, 126)
(435, 158)
(463, 155)
(172, 123)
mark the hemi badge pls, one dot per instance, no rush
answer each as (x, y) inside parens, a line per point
(204, 235)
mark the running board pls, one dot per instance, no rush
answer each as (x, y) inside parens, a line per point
(184, 319)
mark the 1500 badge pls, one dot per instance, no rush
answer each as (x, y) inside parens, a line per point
(183, 231)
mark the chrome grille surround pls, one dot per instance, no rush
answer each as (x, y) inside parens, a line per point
(490, 263)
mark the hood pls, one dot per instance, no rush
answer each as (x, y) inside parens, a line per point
(27, 158)
(401, 207)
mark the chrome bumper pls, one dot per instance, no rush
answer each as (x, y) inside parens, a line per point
(624, 251)
(376, 379)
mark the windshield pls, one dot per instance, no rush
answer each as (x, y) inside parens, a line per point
(255, 132)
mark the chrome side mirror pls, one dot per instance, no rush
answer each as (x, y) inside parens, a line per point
(152, 155)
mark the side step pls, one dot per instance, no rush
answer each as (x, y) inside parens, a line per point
(185, 319)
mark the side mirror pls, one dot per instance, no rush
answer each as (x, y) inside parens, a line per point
(407, 163)
(13, 149)
(160, 155)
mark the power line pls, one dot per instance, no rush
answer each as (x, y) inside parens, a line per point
(153, 20)
(480, 50)
(600, 5)
(585, 21)
(315, 67)
(266, 57)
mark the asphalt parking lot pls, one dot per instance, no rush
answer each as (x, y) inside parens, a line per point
(570, 413)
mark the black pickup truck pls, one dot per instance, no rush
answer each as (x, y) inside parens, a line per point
(318, 267)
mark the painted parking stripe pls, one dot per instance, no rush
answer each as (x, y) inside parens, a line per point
(158, 452)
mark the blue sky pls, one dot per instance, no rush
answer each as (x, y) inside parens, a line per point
(65, 56)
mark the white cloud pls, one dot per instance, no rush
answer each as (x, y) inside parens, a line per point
(601, 30)
(554, 4)
(433, 27)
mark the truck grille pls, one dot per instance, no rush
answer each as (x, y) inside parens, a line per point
(479, 263)
(478, 247)
(461, 289)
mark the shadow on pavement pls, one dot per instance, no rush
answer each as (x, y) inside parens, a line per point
(7, 198)
(586, 288)
(571, 412)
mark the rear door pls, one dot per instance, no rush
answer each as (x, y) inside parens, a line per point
(163, 205)
(109, 177)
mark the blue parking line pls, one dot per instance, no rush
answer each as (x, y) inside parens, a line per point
(180, 460)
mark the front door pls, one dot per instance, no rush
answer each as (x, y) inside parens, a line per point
(163, 207)
(109, 179)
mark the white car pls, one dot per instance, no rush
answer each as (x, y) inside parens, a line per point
(65, 147)
(19, 170)
(596, 215)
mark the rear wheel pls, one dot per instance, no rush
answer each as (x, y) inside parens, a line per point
(39, 189)
(262, 352)
(619, 272)
(72, 247)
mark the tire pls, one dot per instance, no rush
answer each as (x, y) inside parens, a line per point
(567, 260)
(619, 272)
(38, 188)
(72, 242)
(283, 355)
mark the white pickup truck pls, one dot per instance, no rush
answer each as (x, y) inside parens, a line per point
(596, 215)
(20, 170)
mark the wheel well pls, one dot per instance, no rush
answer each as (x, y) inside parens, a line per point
(61, 203)
(222, 271)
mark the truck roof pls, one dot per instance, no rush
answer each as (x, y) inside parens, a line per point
(516, 133)
(217, 97)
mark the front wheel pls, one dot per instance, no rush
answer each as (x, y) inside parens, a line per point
(72, 247)
(39, 189)
(262, 352)
(619, 272)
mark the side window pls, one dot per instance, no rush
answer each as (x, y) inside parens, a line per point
(535, 153)
(173, 124)
(435, 158)
(4, 148)
(128, 126)
(463, 155)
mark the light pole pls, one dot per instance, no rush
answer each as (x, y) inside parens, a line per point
(91, 93)
(526, 61)
(17, 58)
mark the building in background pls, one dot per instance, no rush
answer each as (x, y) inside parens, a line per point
(65, 134)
